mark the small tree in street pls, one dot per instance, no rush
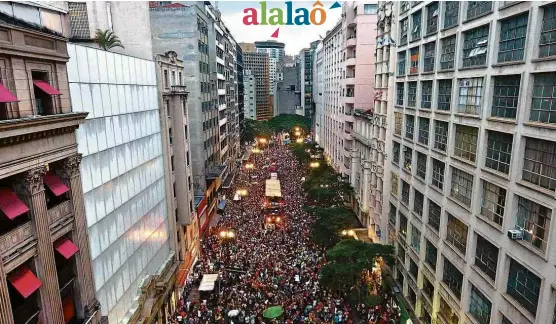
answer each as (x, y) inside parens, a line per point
(329, 223)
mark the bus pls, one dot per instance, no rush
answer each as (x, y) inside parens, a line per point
(273, 216)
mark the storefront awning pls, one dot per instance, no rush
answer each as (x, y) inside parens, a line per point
(6, 95)
(46, 87)
(222, 204)
(24, 281)
(10, 204)
(55, 184)
(67, 248)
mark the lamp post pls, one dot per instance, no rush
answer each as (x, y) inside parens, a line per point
(227, 235)
(314, 165)
(299, 140)
(242, 193)
(348, 233)
(248, 167)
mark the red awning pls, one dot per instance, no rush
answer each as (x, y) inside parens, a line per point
(54, 183)
(10, 203)
(44, 86)
(6, 95)
(67, 249)
(24, 281)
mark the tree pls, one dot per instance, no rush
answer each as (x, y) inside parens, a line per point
(107, 40)
(329, 223)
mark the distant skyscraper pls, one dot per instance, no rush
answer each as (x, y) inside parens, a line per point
(257, 63)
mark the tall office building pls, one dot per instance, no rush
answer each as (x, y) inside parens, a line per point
(240, 90)
(306, 58)
(473, 160)
(318, 91)
(250, 95)
(45, 267)
(247, 47)
(208, 52)
(257, 63)
(276, 52)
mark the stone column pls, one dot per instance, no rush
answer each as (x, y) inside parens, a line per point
(5, 305)
(31, 189)
(68, 170)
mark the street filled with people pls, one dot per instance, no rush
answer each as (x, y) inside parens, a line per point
(261, 268)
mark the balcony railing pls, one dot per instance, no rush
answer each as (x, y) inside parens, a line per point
(178, 89)
(16, 239)
(59, 212)
(66, 276)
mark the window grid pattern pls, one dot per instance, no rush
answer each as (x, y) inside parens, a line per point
(456, 233)
(465, 145)
(421, 166)
(415, 239)
(434, 215)
(396, 153)
(477, 8)
(470, 96)
(452, 277)
(499, 151)
(448, 52)
(432, 18)
(486, 257)
(395, 183)
(412, 94)
(414, 60)
(405, 192)
(444, 94)
(493, 202)
(539, 166)
(524, 286)
(431, 253)
(534, 220)
(479, 306)
(475, 46)
(398, 117)
(409, 126)
(392, 214)
(428, 57)
(426, 94)
(399, 93)
(424, 125)
(401, 63)
(506, 95)
(438, 174)
(79, 20)
(451, 13)
(512, 39)
(440, 135)
(416, 26)
(404, 27)
(462, 186)
(547, 44)
(543, 108)
(418, 202)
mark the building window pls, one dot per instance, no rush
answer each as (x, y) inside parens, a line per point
(415, 239)
(539, 166)
(412, 94)
(470, 96)
(444, 94)
(431, 253)
(447, 313)
(547, 43)
(403, 225)
(165, 78)
(428, 59)
(477, 8)
(414, 60)
(438, 174)
(79, 20)
(392, 214)
(475, 46)
(451, 12)
(421, 166)
(418, 202)
(398, 117)
(465, 145)
(462, 186)
(440, 135)
(543, 108)
(434, 215)
(432, 18)
(456, 233)
(370, 9)
(452, 277)
(399, 93)
(493, 202)
(401, 63)
(524, 286)
(416, 25)
(499, 151)
(426, 94)
(395, 183)
(512, 39)
(424, 124)
(486, 257)
(534, 220)
(404, 6)
(409, 126)
(505, 97)
(404, 26)
(405, 192)
(448, 53)
(479, 306)
(396, 152)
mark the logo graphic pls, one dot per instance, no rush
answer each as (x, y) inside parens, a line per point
(277, 17)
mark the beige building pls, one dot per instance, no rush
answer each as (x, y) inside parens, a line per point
(472, 162)
(248, 47)
(45, 267)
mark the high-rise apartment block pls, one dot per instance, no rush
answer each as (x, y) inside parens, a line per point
(276, 52)
(250, 95)
(472, 159)
(257, 64)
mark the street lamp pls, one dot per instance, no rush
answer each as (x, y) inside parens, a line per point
(349, 232)
(297, 129)
(227, 234)
(248, 167)
(297, 133)
(314, 165)
(299, 140)
(242, 192)
(256, 150)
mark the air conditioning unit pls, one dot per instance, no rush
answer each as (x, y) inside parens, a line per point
(515, 234)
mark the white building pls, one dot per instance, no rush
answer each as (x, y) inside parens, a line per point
(249, 95)
(318, 89)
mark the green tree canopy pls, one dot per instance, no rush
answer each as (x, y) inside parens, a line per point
(107, 40)
(329, 223)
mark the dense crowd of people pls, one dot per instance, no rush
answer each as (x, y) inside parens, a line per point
(260, 267)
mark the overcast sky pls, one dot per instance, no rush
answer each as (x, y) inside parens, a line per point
(295, 37)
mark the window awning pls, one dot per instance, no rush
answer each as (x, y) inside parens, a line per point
(46, 87)
(55, 184)
(6, 95)
(10, 204)
(24, 281)
(67, 248)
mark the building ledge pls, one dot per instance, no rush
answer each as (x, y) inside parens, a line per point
(215, 172)
(35, 124)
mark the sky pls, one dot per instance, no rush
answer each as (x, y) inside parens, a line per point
(295, 37)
